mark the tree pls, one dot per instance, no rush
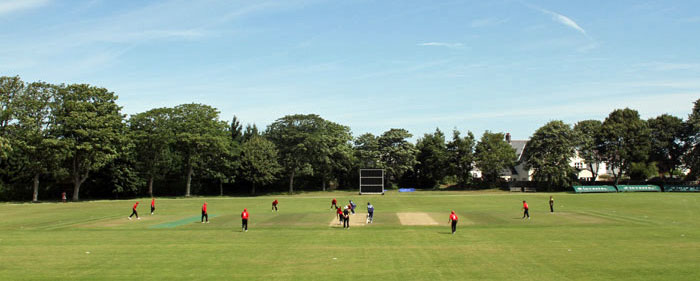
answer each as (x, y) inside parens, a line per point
(366, 151)
(89, 125)
(624, 139)
(236, 130)
(585, 134)
(396, 154)
(304, 141)
(334, 151)
(493, 154)
(432, 159)
(460, 155)
(692, 147)
(199, 137)
(10, 87)
(668, 140)
(259, 162)
(154, 135)
(250, 132)
(549, 152)
(35, 148)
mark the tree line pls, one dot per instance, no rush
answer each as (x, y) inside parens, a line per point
(74, 138)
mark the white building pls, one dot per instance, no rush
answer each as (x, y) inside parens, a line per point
(521, 173)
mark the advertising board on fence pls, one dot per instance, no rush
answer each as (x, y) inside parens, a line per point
(633, 188)
(682, 188)
(594, 188)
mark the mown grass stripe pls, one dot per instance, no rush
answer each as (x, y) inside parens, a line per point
(180, 222)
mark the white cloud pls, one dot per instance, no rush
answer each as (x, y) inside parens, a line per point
(443, 44)
(10, 6)
(560, 19)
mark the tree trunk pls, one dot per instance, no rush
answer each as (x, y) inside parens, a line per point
(189, 180)
(35, 196)
(252, 190)
(323, 184)
(221, 188)
(291, 183)
(150, 186)
(76, 189)
(616, 175)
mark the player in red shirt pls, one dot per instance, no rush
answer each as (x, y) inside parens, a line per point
(339, 213)
(153, 205)
(526, 210)
(204, 212)
(453, 220)
(63, 197)
(244, 220)
(133, 211)
(274, 205)
(334, 204)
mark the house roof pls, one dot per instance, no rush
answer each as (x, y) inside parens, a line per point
(519, 146)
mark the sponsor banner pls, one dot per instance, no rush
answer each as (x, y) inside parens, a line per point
(682, 188)
(634, 188)
(594, 188)
(407, 189)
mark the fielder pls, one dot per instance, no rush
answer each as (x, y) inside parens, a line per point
(370, 212)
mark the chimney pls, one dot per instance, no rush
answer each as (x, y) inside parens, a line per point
(508, 137)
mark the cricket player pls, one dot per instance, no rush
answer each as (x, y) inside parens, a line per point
(274, 205)
(204, 212)
(339, 214)
(153, 205)
(453, 220)
(334, 203)
(134, 212)
(346, 218)
(244, 220)
(526, 209)
(551, 204)
(370, 212)
(352, 207)
(63, 197)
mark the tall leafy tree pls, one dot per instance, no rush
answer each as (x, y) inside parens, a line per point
(298, 138)
(624, 139)
(549, 152)
(396, 154)
(89, 125)
(691, 158)
(585, 134)
(366, 151)
(36, 149)
(432, 158)
(259, 163)
(668, 138)
(334, 151)
(199, 137)
(153, 134)
(10, 87)
(460, 155)
(493, 154)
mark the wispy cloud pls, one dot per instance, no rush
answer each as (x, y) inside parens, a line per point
(11, 6)
(443, 44)
(562, 19)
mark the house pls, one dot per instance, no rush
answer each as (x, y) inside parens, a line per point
(521, 173)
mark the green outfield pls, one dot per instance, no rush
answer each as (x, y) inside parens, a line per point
(631, 236)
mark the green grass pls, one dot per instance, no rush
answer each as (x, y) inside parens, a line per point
(633, 236)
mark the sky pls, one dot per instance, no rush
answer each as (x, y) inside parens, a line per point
(501, 65)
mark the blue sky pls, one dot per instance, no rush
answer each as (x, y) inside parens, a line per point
(507, 66)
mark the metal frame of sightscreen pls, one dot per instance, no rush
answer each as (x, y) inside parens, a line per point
(375, 178)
